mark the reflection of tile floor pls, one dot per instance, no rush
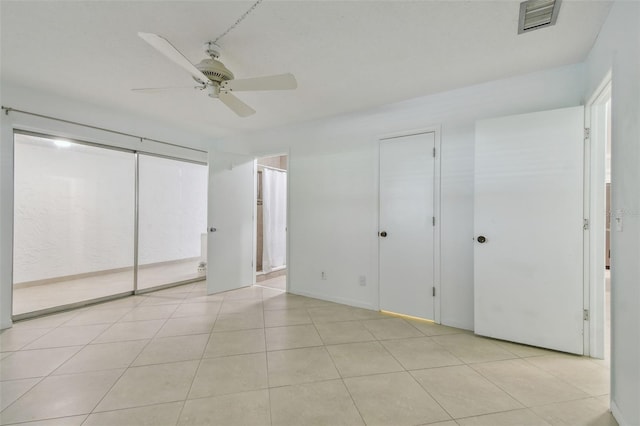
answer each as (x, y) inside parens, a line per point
(258, 356)
(35, 298)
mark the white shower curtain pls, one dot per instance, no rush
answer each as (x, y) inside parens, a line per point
(274, 219)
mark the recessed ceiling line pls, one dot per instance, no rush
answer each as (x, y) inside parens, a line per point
(240, 19)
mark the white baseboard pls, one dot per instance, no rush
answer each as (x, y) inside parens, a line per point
(618, 415)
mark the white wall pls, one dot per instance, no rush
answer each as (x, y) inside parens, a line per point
(73, 209)
(334, 194)
(618, 49)
(173, 209)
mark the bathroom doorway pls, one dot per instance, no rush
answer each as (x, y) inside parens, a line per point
(271, 222)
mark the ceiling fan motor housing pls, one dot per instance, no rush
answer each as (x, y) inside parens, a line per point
(214, 70)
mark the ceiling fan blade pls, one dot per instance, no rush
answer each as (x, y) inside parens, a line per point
(270, 82)
(236, 105)
(160, 89)
(163, 46)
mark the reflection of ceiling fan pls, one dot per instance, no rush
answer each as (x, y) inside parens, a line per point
(212, 76)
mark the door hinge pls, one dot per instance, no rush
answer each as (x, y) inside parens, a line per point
(434, 153)
(585, 315)
(587, 133)
(585, 224)
(433, 291)
(433, 220)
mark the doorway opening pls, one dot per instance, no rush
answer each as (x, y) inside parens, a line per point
(601, 224)
(271, 222)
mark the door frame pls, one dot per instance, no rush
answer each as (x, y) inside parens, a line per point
(286, 153)
(594, 245)
(436, 130)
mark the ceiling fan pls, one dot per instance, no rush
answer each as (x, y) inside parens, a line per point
(212, 76)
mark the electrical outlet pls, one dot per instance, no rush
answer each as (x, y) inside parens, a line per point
(323, 275)
(362, 280)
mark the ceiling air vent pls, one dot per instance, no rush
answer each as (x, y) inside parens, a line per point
(535, 14)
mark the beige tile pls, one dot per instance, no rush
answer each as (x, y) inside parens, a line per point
(523, 417)
(91, 316)
(429, 328)
(47, 321)
(225, 343)
(36, 363)
(333, 333)
(391, 328)
(295, 336)
(244, 293)
(358, 359)
(284, 301)
(172, 349)
(579, 371)
(60, 421)
(230, 374)
(153, 299)
(136, 330)
(393, 399)
(321, 403)
(103, 356)
(420, 352)
(588, 411)
(150, 384)
(151, 415)
(335, 312)
(13, 389)
(188, 325)
(523, 351)
(296, 366)
(197, 309)
(238, 321)
(246, 408)
(284, 317)
(15, 339)
(154, 312)
(68, 336)
(61, 396)
(470, 348)
(528, 384)
(243, 306)
(446, 423)
(463, 392)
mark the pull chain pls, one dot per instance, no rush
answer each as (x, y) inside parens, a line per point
(240, 19)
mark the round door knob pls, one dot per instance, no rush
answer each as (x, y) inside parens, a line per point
(212, 229)
(482, 239)
(383, 234)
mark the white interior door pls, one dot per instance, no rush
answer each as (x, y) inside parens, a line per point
(529, 207)
(230, 222)
(406, 233)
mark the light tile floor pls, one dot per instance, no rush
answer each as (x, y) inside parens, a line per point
(258, 356)
(44, 296)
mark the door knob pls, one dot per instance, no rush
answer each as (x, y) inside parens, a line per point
(212, 229)
(482, 239)
(383, 234)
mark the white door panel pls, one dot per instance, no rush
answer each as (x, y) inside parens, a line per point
(406, 215)
(528, 204)
(230, 213)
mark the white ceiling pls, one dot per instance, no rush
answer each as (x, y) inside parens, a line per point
(346, 55)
